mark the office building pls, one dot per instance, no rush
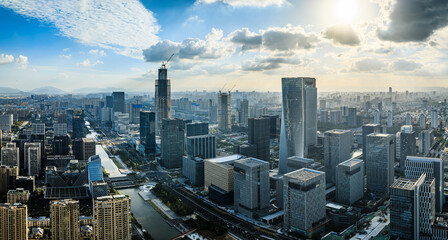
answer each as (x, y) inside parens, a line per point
(78, 123)
(98, 189)
(60, 129)
(7, 176)
(64, 215)
(19, 195)
(112, 217)
(201, 146)
(219, 172)
(173, 136)
(60, 145)
(337, 148)
(109, 101)
(434, 119)
(408, 144)
(6, 122)
(408, 119)
(95, 169)
(274, 125)
(376, 117)
(13, 221)
(352, 119)
(380, 162)
(432, 168)
(25, 182)
(196, 129)
(296, 163)
(324, 117)
(121, 122)
(193, 169)
(366, 130)
(148, 132)
(251, 186)
(299, 118)
(135, 113)
(10, 155)
(243, 112)
(303, 200)
(84, 148)
(389, 119)
(259, 135)
(162, 98)
(224, 112)
(349, 181)
(411, 208)
(118, 98)
(34, 161)
(322, 104)
(38, 128)
(335, 117)
(426, 140)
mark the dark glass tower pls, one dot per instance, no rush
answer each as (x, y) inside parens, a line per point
(148, 132)
(163, 98)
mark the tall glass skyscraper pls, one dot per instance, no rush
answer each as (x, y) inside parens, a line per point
(299, 118)
(163, 98)
(148, 132)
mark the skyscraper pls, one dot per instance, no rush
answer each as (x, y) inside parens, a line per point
(349, 181)
(224, 112)
(112, 217)
(212, 112)
(78, 123)
(251, 186)
(422, 120)
(109, 101)
(34, 161)
(337, 149)
(64, 215)
(118, 102)
(259, 135)
(389, 119)
(352, 119)
(7, 176)
(60, 145)
(366, 130)
(196, 129)
(380, 162)
(84, 148)
(148, 132)
(162, 98)
(303, 199)
(426, 140)
(433, 168)
(172, 143)
(243, 112)
(13, 221)
(299, 118)
(203, 146)
(408, 144)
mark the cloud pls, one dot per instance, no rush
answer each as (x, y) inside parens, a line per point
(5, 59)
(22, 61)
(114, 24)
(245, 3)
(269, 63)
(288, 38)
(191, 20)
(415, 20)
(368, 65)
(247, 39)
(87, 63)
(405, 65)
(97, 52)
(342, 34)
(66, 56)
(191, 48)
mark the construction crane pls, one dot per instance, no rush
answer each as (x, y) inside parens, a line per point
(220, 90)
(165, 63)
(232, 87)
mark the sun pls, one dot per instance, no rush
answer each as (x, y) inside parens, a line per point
(346, 10)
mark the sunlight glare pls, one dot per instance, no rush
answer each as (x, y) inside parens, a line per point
(346, 10)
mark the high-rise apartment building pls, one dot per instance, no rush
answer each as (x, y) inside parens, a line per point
(212, 112)
(434, 119)
(78, 123)
(366, 130)
(10, 155)
(162, 98)
(173, 137)
(148, 132)
(352, 119)
(13, 221)
(19, 195)
(303, 199)
(349, 181)
(112, 217)
(251, 186)
(64, 217)
(299, 118)
(243, 112)
(337, 148)
(118, 102)
(380, 162)
(422, 120)
(38, 128)
(224, 112)
(6, 122)
(33, 160)
(84, 148)
(60, 129)
(426, 140)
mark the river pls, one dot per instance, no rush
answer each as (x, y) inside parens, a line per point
(149, 218)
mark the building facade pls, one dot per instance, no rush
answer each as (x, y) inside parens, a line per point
(380, 162)
(337, 148)
(350, 181)
(162, 98)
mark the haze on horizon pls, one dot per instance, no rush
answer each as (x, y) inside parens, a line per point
(347, 45)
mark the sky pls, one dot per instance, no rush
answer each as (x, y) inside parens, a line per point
(347, 45)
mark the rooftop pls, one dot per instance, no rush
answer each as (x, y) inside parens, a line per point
(337, 131)
(351, 162)
(226, 159)
(304, 174)
(300, 159)
(252, 162)
(404, 183)
(423, 159)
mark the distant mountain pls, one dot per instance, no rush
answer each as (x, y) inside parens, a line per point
(96, 90)
(6, 90)
(47, 90)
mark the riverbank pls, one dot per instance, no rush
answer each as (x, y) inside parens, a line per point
(147, 195)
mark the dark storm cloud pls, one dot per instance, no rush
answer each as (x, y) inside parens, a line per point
(415, 20)
(342, 34)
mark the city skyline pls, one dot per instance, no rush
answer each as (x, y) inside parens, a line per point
(347, 45)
